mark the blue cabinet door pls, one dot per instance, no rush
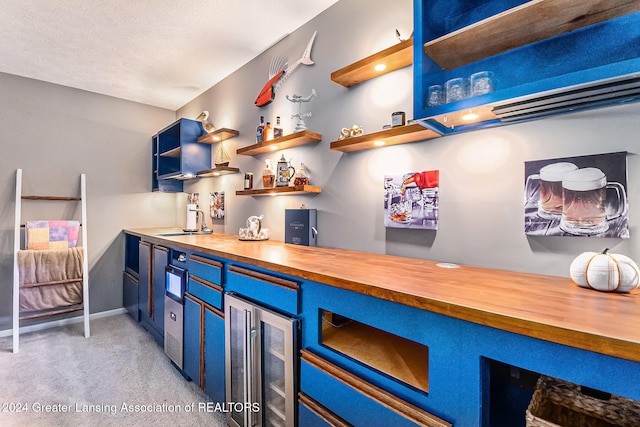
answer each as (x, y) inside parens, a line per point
(144, 279)
(192, 338)
(160, 261)
(166, 185)
(214, 384)
(130, 294)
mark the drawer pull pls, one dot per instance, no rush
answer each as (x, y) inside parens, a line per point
(321, 411)
(207, 261)
(406, 409)
(284, 283)
(203, 282)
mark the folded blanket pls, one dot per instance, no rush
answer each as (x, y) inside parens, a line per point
(50, 279)
(52, 234)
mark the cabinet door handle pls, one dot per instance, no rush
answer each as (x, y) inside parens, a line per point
(206, 283)
(248, 366)
(207, 261)
(284, 283)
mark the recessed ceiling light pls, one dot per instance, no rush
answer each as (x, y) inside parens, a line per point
(379, 143)
(273, 147)
(380, 67)
(470, 116)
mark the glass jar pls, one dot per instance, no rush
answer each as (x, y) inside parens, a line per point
(301, 177)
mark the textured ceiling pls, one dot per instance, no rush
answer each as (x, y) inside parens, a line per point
(157, 52)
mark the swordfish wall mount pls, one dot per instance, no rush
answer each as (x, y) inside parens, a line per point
(279, 71)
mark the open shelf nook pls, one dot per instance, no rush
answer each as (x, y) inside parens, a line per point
(398, 357)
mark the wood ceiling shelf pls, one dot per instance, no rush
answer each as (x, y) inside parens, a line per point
(514, 28)
(296, 189)
(218, 135)
(394, 57)
(217, 171)
(281, 143)
(393, 136)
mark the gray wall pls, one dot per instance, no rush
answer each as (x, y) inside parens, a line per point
(481, 173)
(55, 133)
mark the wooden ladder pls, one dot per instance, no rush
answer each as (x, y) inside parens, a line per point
(16, 245)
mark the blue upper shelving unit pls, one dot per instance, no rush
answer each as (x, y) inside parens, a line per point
(587, 57)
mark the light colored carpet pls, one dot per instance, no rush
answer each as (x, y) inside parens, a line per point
(99, 380)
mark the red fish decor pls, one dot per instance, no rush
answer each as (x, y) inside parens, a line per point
(279, 70)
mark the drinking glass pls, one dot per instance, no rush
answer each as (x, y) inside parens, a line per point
(482, 82)
(456, 89)
(435, 96)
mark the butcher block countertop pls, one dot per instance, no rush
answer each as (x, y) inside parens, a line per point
(546, 307)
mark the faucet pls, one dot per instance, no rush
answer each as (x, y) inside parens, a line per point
(203, 227)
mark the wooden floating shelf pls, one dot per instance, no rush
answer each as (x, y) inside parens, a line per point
(393, 136)
(281, 143)
(394, 58)
(217, 171)
(218, 135)
(515, 27)
(296, 189)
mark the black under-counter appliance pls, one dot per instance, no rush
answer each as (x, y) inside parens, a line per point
(175, 285)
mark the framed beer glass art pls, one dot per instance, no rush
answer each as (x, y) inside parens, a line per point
(577, 196)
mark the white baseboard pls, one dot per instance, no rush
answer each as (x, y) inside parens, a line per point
(62, 322)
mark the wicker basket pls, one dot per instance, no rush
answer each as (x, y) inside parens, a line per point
(557, 403)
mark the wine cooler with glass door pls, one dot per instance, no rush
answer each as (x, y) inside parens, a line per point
(260, 365)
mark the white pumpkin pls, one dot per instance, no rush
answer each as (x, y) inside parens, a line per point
(605, 272)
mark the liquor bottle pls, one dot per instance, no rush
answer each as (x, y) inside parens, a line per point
(260, 130)
(268, 175)
(277, 129)
(427, 179)
(268, 132)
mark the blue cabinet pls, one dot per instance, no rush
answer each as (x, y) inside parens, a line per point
(177, 155)
(160, 261)
(472, 368)
(152, 262)
(586, 57)
(214, 379)
(204, 325)
(204, 346)
(144, 283)
(130, 276)
(192, 338)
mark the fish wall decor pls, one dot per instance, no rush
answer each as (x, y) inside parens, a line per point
(279, 71)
